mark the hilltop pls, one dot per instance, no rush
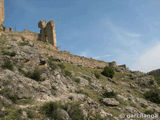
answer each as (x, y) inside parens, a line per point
(38, 82)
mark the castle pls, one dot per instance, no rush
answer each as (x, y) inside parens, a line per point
(48, 35)
(47, 30)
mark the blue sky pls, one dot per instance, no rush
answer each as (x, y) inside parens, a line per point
(125, 31)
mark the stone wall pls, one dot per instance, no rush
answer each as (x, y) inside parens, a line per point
(26, 34)
(65, 56)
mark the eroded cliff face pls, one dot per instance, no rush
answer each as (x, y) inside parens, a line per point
(35, 85)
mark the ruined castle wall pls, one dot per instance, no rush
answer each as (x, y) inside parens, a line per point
(26, 34)
(79, 60)
(65, 56)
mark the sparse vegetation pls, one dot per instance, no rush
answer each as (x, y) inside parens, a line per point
(111, 94)
(149, 112)
(157, 80)
(36, 75)
(76, 113)
(7, 64)
(14, 114)
(30, 115)
(151, 82)
(50, 109)
(8, 94)
(52, 65)
(67, 73)
(153, 95)
(87, 78)
(23, 44)
(143, 105)
(97, 75)
(61, 66)
(12, 54)
(2, 41)
(81, 92)
(77, 80)
(108, 72)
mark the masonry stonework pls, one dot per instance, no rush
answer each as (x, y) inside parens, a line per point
(2, 15)
(47, 32)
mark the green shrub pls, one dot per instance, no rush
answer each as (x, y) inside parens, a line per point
(76, 113)
(157, 80)
(8, 94)
(61, 66)
(52, 65)
(13, 98)
(153, 95)
(108, 72)
(52, 59)
(15, 114)
(25, 43)
(30, 114)
(111, 94)
(87, 78)
(82, 92)
(67, 73)
(12, 54)
(143, 105)
(50, 110)
(97, 75)
(7, 64)
(151, 82)
(77, 80)
(36, 75)
(149, 112)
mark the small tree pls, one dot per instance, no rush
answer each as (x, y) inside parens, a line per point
(108, 72)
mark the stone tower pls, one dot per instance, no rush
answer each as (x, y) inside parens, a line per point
(47, 32)
(2, 14)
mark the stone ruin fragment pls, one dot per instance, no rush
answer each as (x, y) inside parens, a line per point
(47, 32)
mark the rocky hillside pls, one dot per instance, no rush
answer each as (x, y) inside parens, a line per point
(36, 86)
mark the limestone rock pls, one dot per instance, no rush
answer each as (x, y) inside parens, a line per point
(63, 115)
(110, 102)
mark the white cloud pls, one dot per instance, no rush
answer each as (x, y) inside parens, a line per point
(150, 60)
